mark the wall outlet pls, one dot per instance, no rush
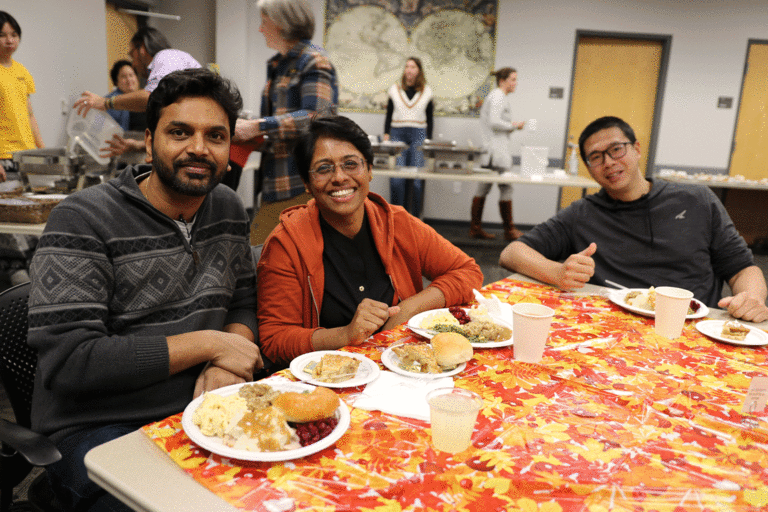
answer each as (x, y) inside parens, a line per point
(457, 187)
(65, 107)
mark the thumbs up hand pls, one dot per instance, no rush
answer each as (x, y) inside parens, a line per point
(576, 271)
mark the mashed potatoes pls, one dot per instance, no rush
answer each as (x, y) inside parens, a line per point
(215, 413)
(440, 317)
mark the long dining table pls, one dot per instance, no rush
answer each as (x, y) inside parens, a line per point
(614, 417)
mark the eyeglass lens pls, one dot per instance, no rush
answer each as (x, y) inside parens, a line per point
(350, 167)
(616, 151)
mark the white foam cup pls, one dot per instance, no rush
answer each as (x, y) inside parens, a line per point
(671, 309)
(531, 328)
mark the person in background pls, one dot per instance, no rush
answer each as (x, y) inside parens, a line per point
(18, 125)
(348, 264)
(125, 80)
(496, 127)
(18, 131)
(641, 232)
(301, 82)
(409, 119)
(143, 288)
(153, 58)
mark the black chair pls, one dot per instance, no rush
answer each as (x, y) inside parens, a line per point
(21, 447)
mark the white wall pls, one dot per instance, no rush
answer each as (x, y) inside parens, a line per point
(195, 32)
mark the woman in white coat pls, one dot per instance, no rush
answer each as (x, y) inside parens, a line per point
(496, 126)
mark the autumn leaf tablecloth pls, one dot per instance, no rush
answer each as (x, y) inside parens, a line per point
(613, 418)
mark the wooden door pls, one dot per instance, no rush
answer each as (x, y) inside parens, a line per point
(749, 157)
(120, 30)
(750, 153)
(614, 77)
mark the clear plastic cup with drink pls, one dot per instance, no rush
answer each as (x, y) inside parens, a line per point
(453, 413)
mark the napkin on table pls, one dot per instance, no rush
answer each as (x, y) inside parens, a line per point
(399, 395)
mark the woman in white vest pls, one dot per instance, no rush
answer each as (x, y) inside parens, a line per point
(496, 127)
(409, 120)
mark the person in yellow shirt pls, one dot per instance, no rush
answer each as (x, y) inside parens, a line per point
(18, 126)
(18, 131)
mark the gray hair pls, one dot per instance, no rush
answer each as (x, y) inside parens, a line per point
(294, 17)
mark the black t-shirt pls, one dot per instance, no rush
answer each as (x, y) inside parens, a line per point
(353, 271)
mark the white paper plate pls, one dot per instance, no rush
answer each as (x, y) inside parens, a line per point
(216, 445)
(714, 329)
(415, 322)
(390, 360)
(366, 372)
(617, 297)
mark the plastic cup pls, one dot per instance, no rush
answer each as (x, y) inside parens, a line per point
(453, 413)
(671, 309)
(531, 323)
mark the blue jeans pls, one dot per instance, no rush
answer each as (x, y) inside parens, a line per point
(69, 478)
(408, 193)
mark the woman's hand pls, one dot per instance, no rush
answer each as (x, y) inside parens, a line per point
(370, 315)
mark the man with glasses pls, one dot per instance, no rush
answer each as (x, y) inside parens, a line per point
(641, 232)
(152, 58)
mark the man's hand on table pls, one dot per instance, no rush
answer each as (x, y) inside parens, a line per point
(212, 377)
(236, 354)
(577, 270)
(745, 307)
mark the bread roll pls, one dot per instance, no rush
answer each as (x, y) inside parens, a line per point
(304, 407)
(451, 349)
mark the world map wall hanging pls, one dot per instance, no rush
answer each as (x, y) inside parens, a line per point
(369, 43)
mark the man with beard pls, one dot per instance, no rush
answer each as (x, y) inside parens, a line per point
(143, 288)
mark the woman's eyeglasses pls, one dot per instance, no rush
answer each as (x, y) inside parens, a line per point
(351, 167)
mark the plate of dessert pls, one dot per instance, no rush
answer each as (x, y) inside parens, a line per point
(734, 332)
(643, 302)
(266, 421)
(334, 369)
(480, 328)
(445, 355)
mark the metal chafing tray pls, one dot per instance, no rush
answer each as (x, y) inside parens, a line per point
(57, 170)
(449, 157)
(385, 153)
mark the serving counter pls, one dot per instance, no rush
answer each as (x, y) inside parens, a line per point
(614, 417)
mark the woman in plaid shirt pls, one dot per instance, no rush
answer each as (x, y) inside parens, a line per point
(301, 82)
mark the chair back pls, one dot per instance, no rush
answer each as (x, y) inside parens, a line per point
(17, 359)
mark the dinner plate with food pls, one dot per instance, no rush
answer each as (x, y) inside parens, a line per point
(445, 355)
(266, 421)
(734, 332)
(643, 302)
(334, 369)
(481, 329)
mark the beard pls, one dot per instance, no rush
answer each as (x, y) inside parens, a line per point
(170, 177)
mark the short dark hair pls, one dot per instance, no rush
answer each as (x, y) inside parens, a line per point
(198, 83)
(503, 74)
(153, 40)
(116, 67)
(7, 18)
(604, 123)
(335, 127)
